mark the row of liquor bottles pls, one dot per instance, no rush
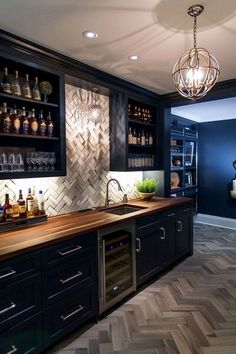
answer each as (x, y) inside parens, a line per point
(139, 137)
(33, 205)
(18, 121)
(141, 161)
(24, 89)
(139, 114)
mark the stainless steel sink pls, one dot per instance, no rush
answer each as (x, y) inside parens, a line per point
(122, 209)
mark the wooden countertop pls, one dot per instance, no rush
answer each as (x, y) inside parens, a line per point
(64, 227)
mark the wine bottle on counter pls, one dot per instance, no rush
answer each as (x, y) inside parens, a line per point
(41, 203)
(36, 95)
(22, 206)
(34, 126)
(50, 125)
(7, 209)
(29, 204)
(36, 205)
(6, 85)
(26, 90)
(15, 208)
(15, 86)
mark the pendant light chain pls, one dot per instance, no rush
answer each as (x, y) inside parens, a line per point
(195, 32)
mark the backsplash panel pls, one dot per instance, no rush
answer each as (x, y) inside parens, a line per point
(87, 155)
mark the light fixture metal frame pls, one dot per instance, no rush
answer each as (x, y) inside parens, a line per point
(196, 71)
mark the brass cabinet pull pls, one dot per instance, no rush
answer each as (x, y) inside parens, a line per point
(64, 318)
(180, 226)
(77, 248)
(14, 349)
(7, 274)
(77, 275)
(8, 308)
(163, 233)
(138, 249)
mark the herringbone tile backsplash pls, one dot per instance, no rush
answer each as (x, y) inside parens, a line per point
(87, 155)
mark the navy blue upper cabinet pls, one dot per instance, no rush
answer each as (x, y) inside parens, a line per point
(134, 133)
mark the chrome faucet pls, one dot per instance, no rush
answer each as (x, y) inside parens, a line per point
(107, 200)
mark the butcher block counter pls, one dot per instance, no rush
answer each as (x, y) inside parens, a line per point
(64, 227)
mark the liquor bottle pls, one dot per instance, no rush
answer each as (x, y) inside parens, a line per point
(6, 120)
(36, 95)
(36, 205)
(150, 139)
(6, 85)
(15, 86)
(139, 139)
(29, 204)
(15, 208)
(143, 138)
(15, 121)
(25, 122)
(134, 140)
(135, 115)
(146, 119)
(42, 125)
(50, 125)
(143, 115)
(22, 207)
(34, 126)
(7, 209)
(130, 136)
(26, 90)
(149, 116)
(139, 114)
(129, 111)
(146, 139)
(41, 203)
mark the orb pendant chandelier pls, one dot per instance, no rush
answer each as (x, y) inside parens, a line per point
(197, 71)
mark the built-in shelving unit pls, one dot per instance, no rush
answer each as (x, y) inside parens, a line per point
(17, 149)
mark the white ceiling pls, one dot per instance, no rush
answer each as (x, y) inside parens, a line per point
(159, 31)
(208, 111)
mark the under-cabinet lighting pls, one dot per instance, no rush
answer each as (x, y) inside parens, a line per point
(89, 34)
(133, 57)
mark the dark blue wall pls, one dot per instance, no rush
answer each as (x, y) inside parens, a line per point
(217, 151)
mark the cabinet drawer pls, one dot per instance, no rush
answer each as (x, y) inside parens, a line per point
(23, 338)
(18, 268)
(76, 271)
(20, 300)
(69, 249)
(67, 314)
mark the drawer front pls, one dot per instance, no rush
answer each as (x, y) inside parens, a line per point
(23, 338)
(20, 300)
(76, 271)
(18, 268)
(67, 314)
(69, 249)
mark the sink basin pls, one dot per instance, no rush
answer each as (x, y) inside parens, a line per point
(123, 209)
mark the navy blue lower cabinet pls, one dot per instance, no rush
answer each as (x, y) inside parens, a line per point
(26, 337)
(76, 308)
(183, 235)
(147, 251)
(166, 234)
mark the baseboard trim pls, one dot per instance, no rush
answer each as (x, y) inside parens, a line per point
(216, 221)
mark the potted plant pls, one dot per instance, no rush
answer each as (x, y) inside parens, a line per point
(147, 188)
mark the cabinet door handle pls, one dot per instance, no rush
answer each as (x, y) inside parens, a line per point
(80, 308)
(77, 248)
(8, 308)
(13, 350)
(77, 275)
(163, 230)
(8, 274)
(180, 226)
(138, 249)
(172, 214)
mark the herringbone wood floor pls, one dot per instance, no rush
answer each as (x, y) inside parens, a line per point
(190, 310)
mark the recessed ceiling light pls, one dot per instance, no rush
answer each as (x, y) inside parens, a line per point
(89, 34)
(133, 57)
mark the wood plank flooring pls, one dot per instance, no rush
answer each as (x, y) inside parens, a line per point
(190, 310)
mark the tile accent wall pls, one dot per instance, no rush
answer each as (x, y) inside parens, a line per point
(87, 154)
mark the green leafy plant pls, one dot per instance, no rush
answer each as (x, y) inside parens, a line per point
(148, 185)
(45, 87)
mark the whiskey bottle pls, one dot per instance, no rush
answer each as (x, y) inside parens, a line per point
(36, 205)
(6, 120)
(29, 204)
(150, 139)
(41, 203)
(25, 122)
(35, 91)
(129, 111)
(130, 136)
(22, 207)
(42, 125)
(26, 90)
(143, 138)
(50, 125)
(146, 139)
(15, 208)
(135, 115)
(134, 140)
(15, 86)
(15, 121)
(139, 139)
(34, 126)
(139, 114)
(7, 209)
(6, 85)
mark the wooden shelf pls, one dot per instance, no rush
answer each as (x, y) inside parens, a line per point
(22, 99)
(28, 136)
(143, 124)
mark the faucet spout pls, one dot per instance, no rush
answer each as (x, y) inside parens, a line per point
(107, 200)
